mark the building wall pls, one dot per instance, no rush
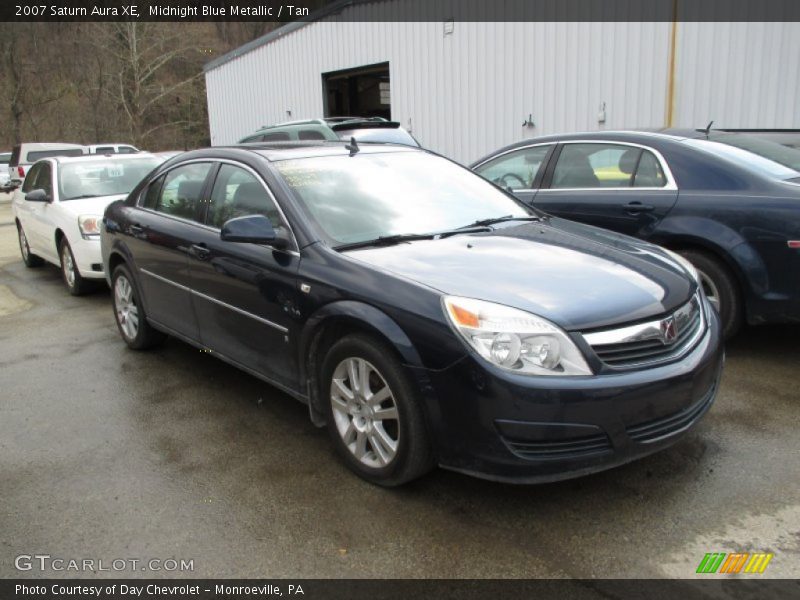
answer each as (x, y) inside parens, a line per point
(468, 92)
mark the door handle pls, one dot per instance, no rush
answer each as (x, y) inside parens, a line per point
(136, 229)
(200, 251)
(637, 207)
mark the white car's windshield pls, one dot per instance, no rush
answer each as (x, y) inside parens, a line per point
(749, 158)
(373, 195)
(102, 177)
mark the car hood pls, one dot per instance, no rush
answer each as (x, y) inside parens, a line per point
(90, 206)
(577, 276)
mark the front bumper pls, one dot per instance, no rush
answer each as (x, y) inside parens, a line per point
(88, 257)
(506, 427)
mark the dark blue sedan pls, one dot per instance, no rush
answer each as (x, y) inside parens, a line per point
(424, 315)
(727, 202)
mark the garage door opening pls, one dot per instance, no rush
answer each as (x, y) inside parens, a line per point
(360, 92)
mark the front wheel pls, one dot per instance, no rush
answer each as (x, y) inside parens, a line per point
(75, 283)
(720, 288)
(375, 418)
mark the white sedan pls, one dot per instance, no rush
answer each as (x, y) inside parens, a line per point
(59, 208)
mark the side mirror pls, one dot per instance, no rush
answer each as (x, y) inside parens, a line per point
(37, 196)
(253, 229)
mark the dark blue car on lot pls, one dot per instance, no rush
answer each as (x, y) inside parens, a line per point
(729, 203)
(425, 315)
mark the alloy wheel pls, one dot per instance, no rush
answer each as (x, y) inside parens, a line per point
(125, 307)
(23, 245)
(710, 289)
(365, 412)
(68, 266)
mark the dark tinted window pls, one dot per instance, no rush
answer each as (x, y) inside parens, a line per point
(105, 150)
(180, 194)
(275, 137)
(127, 150)
(38, 155)
(516, 170)
(238, 193)
(309, 134)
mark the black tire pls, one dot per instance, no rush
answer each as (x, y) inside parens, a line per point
(719, 281)
(413, 456)
(146, 336)
(30, 259)
(76, 284)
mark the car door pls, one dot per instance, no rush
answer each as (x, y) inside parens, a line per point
(161, 231)
(41, 227)
(519, 170)
(245, 293)
(624, 187)
(26, 210)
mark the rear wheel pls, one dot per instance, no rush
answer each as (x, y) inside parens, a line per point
(720, 288)
(375, 418)
(28, 257)
(129, 313)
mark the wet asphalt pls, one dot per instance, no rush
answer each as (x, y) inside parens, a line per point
(107, 453)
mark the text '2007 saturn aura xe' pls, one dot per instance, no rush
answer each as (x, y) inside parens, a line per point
(426, 316)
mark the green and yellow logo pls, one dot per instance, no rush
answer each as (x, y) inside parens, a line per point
(736, 562)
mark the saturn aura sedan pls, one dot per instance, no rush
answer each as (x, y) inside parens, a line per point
(727, 202)
(423, 314)
(59, 206)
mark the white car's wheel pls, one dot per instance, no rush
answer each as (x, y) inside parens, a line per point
(28, 257)
(75, 283)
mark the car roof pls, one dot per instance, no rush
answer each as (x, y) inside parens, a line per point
(278, 151)
(49, 145)
(328, 122)
(96, 157)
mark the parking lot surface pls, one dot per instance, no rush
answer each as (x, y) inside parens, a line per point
(107, 453)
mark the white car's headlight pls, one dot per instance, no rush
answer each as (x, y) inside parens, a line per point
(515, 340)
(688, 267)
(89, 225)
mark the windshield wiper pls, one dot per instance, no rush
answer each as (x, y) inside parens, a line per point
(386, 240)
(492, 221)
(389, 240)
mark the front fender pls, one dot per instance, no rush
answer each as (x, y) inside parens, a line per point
(365, 317)
(724, 242)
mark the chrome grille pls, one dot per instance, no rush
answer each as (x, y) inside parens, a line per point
(653, 342)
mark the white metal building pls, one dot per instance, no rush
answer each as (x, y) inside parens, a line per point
(466, 88)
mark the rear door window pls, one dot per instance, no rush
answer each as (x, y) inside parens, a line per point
(310, 134)
(598, 166)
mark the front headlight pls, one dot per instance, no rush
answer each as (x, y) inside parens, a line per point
(688, 267)
(513, 339)
(89, 225)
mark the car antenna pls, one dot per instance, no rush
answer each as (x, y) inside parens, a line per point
(353, 147)
(707, 130)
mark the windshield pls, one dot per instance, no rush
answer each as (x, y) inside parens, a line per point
(102, 177)
(367, 196)
(762, 161)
